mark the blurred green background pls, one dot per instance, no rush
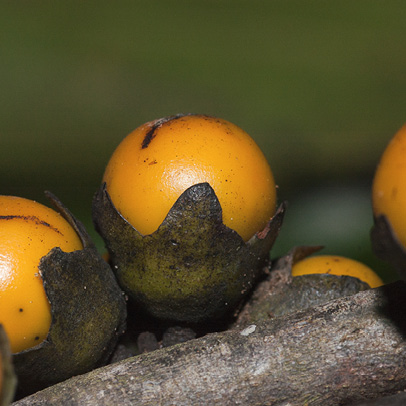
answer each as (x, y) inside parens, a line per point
(319, 85)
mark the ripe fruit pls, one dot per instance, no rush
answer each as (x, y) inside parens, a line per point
(159, 160)
(336, 265)
(28, 232)
(389, 185)
(187, 213)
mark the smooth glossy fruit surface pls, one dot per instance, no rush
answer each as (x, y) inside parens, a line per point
(389, 185)
(336, 265)
(158, 161)
(28, 232)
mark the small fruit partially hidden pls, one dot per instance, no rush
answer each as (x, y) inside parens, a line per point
(28, 231)
(159, 160)
(389, 185)
(336, 265)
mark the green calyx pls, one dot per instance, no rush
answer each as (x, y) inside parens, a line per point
(88, 312)
(193, 267)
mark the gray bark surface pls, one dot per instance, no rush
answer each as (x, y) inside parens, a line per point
(342, 352)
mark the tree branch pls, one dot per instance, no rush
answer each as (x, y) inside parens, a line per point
(345, 351)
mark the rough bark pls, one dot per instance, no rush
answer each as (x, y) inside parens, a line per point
(279, 294)
(391, 400)
(342, 352)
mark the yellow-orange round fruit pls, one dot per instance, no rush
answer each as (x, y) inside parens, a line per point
(28, 231)
(336, 265)
(389, 185)
(159, 160)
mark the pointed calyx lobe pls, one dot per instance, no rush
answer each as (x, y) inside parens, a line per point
(192, 267)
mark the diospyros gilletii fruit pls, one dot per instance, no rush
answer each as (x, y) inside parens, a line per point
(388, 234)
(87, 307)
(159, 160)
(187, 180)
(336, 265)
(280, 293)
(28, 231)
(389, 185)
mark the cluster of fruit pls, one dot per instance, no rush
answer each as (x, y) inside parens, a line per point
(187, 210)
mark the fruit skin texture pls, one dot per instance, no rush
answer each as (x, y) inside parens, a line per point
(28, 232)
(159, 160)
(336, 265)
(389, 185)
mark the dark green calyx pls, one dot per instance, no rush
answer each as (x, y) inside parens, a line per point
(88, 312)
(193, 267)
(387, 246)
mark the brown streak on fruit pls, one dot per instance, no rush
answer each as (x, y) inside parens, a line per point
(150, 135)
(34, 219)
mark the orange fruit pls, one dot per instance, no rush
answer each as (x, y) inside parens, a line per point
(159, 160)
(28, 231)
(336, 265)
(389, 185)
